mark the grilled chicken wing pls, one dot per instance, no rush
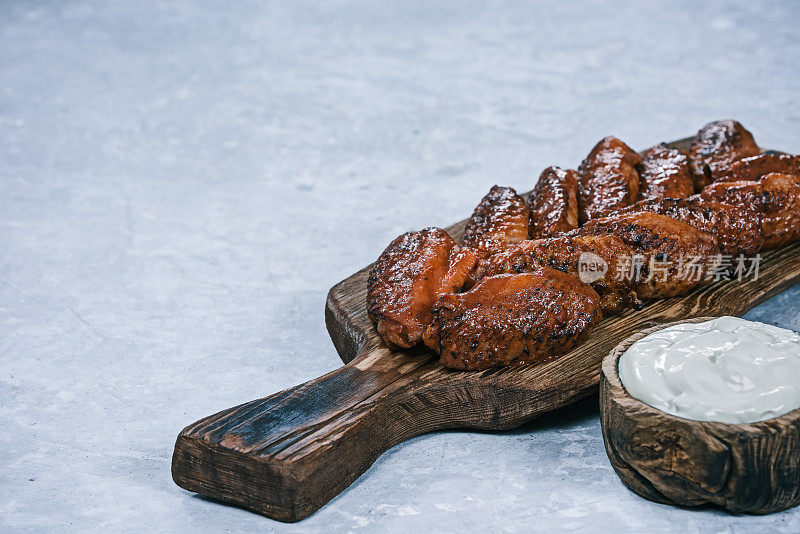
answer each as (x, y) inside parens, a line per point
(737, 228)
(531, 299)
(512, 318)
(608, 179)
(408, 276)
(595, 259)
(664, 172)
(554, 203)
(755, 167)
(501, 219)
(776, 196)
(665, 248)
(716, 146)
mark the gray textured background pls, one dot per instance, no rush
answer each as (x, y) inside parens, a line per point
(181, 184)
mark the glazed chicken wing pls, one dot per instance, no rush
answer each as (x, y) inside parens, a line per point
(737, 228)
(501, 219)
(665, 251)
(754, 167)
(716, 146)
(532, 277)
(594, 259)
(664, 172)
(608, 179)
(406, 279)
(554, 203)
(512, 318)
(776, 196)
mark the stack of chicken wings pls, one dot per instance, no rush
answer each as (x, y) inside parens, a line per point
(521, 286)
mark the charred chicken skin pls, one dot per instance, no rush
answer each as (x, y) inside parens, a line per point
(408, 277)
(737, 229)
(754, 167)
(716, 146)
(776, 196)
(595, 259)
(608, 179)
(664, 172)
(501, 219)
(665, 250)
(512, 318)
(554, 203)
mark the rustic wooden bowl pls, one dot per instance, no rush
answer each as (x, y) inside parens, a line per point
(752, 468)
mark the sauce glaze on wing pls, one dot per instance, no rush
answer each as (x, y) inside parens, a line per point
(754, 167)
(608, 179)
(737, 228)
(581, 256)
(554, 203)
(665, 247)
(776, 196)
(501, 219)
(664, 172)
(406, 279)
(513, 318)
(716, 146)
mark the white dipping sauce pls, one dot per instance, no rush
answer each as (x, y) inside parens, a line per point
(727, 369)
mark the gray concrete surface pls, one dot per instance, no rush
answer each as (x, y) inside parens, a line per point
(181, 183)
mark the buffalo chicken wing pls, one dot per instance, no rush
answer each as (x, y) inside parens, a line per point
(405, 281)
(512, 318)
(554, 203)
(776, 196)
(737, 228)
(501, 219)
(716, 146)
(671, 257)
(664, 172)
(595, 259)
(532, 276)
(608, 179)
(754, 167)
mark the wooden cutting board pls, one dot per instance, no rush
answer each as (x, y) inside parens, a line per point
(286, 455)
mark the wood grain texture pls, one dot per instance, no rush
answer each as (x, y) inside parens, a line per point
(288, 454)
(751, 467)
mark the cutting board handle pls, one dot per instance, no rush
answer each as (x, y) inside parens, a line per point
(288, 454)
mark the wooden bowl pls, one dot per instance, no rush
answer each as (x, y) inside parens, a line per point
(752, 467)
